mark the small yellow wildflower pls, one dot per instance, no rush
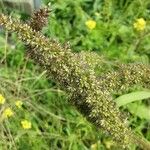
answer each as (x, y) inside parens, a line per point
(18, 103)
(91, 24)
(140, 24)
(26, 124)
(2, 99)
(8, 112)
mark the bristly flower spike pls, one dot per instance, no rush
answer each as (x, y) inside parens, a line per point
(83, 87)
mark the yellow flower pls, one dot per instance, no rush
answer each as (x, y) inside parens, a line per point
(91, 24)
(26, 124)
(18, 103)
(140, 24)
(2, 99)
(8, 112)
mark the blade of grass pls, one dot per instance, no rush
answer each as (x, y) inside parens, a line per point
(132, 97)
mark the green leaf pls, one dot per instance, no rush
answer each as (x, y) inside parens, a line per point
(132, 97)
(141, 110)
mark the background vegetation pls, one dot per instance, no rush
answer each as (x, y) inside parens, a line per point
(54, 123)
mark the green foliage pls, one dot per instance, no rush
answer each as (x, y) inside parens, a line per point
(55, 125)
(134, 96)
(114, 34)
(137, 109)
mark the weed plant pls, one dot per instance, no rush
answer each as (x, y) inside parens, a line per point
(106, 27)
